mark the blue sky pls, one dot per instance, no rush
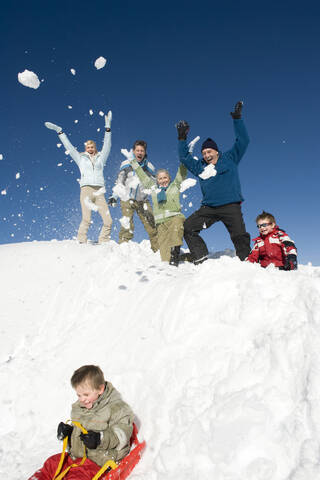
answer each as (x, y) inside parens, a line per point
(165, 61)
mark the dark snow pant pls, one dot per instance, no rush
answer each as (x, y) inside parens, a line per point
(230, 215)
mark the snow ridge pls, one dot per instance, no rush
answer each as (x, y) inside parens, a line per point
(220, 362)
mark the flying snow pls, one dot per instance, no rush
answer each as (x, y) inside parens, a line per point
(100, 63)
(209, 171)
(101, 113)
(125, 222)
(4, 192)
(89, 203)
(189, 182)
(72, 70)
(17, 175)
(1, 156)
(91, 112)
(69, 106)
(29, 79)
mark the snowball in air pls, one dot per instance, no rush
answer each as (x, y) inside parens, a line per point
(17, 175)
(29, 79)
(3, 192)
(91, 112)
(72, 70)
(101, 113)
(1, 156)
(100, 63)
(69, 106)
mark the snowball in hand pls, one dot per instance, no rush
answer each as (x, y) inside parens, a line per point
(100, 63)
(29, 79)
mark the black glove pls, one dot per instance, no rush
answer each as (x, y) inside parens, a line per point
(291, 263)
(237, 110)
(112, 202)
(183, 129)
(64, 430)
(91, 439)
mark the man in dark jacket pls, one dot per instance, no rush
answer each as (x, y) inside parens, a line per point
(220, 186)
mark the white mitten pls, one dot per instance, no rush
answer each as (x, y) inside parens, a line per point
(128, 154)
(52, 126)
(108, 119)
(192, 144)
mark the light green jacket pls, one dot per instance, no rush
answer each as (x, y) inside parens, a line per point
(164, 210)
(109, 415)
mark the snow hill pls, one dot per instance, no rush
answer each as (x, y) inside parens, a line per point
(220, 362)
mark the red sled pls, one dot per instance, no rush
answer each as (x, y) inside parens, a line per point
(128, 463)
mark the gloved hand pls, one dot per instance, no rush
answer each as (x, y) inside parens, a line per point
(291, 263)
(192, 144)
(183, 129)
(91, 439)
(112, 201)
(52, 126)
(64, 430)
(128, 154)
(237, 110)
(108, 119)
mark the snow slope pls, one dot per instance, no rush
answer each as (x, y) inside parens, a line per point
(220, 362)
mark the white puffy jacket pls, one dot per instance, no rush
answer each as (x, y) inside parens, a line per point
(91, 170)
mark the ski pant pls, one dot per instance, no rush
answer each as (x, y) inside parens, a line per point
(170, 234)
(84, 472)
(87, 194)
(230, 215)
(144, 211)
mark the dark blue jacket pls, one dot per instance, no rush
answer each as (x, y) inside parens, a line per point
(225, 187)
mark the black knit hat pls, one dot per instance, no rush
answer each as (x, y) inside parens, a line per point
(209, 143)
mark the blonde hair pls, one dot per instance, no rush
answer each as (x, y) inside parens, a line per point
(91, 142)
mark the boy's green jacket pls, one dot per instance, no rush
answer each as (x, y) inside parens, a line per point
(109, 415)
(164, 210)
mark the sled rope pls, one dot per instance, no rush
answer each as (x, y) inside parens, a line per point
(58, 476)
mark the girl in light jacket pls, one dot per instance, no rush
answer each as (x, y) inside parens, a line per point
(91, 164)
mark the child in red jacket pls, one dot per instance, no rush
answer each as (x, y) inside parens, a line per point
(273, 245)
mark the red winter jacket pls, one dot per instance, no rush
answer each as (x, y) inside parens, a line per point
(274, 248)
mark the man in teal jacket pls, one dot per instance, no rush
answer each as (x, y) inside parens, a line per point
(220, 186)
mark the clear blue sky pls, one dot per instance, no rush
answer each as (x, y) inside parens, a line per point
(165, 61)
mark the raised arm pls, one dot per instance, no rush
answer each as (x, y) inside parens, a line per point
(75, 155)
(145, 179)
(104, 154)
(242, 138)
(181, 175)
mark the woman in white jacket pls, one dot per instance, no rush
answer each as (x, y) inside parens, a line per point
(91, 164)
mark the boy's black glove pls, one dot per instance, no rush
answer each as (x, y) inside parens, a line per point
(237, 110)
(64, 430)
(91, 439)
(112, 202)
(183, 129)
(291, 262)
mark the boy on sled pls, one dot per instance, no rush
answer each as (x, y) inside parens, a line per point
(98, 434)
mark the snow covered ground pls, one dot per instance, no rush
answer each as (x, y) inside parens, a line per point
(220, 362)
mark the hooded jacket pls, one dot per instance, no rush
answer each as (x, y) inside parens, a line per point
(171, 207)
(90, 166)
(110, 416)
(272, 248)
(224, 187)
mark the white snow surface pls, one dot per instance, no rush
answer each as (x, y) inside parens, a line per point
(29, 79)
(100, 63)
(219, 362)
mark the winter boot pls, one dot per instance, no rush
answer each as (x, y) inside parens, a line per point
(174, 256)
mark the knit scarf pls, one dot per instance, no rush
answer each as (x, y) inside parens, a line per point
(162, 196)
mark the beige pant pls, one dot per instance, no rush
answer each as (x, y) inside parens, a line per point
(144, 211)
(87, 192)
(170, 234)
